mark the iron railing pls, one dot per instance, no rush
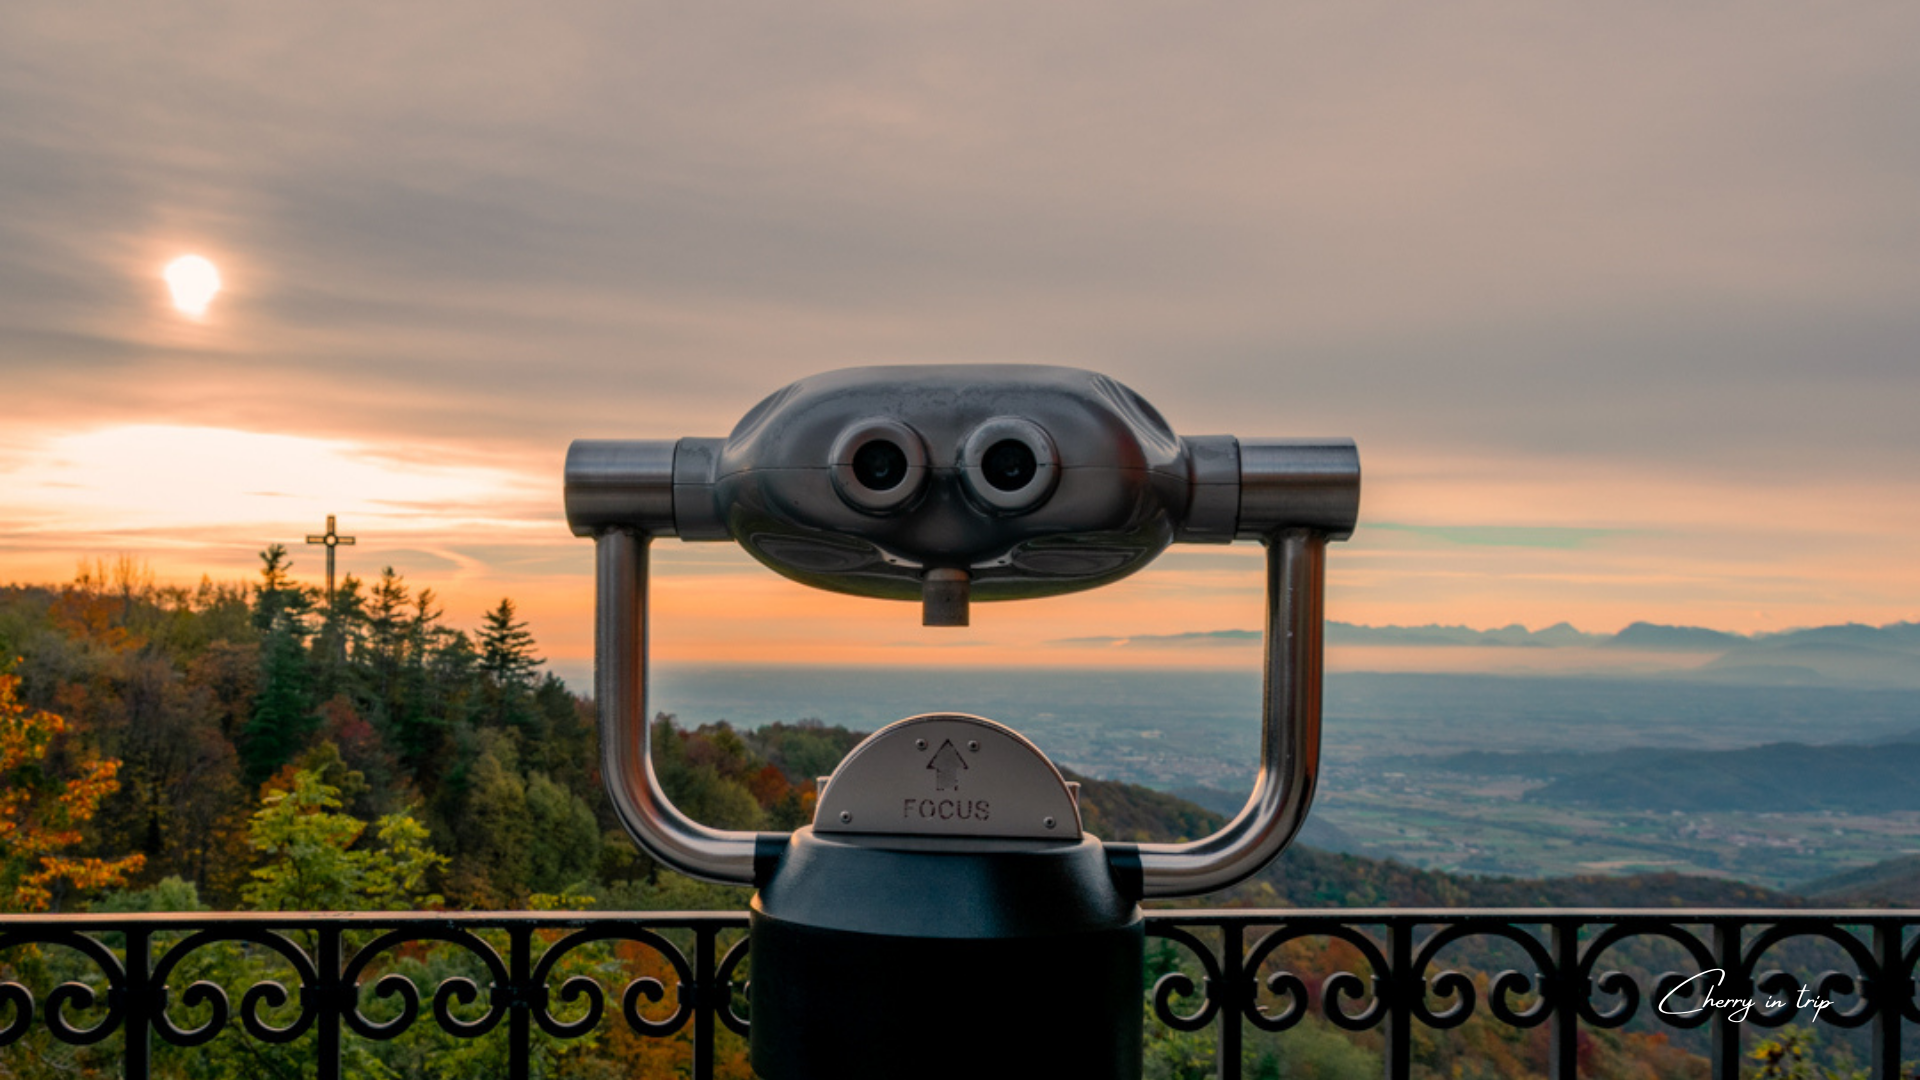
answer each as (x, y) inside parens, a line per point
(325, 980)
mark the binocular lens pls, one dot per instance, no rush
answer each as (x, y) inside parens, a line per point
(880, 465)
(1009, 465)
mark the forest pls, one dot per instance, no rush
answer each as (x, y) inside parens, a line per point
(266, 746)
(193, 710)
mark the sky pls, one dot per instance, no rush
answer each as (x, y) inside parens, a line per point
(1618, 301)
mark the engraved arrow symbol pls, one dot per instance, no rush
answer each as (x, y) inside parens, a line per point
(946, 766)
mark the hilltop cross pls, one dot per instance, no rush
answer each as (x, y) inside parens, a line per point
(332, 539)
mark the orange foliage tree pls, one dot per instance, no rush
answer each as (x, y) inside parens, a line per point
(40, 814)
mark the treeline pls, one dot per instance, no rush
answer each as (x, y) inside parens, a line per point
(206, 694)
(211, 697)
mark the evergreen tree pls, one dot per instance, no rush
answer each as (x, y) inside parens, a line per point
(451, 677)
(387, 635)
(507, 663)
(283, 712)
(276, 591)
(341, 640)
(506, 648)
(418, 703)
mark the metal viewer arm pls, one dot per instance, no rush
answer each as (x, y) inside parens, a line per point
(1289, 737)
(1293, 497)
(633, 483)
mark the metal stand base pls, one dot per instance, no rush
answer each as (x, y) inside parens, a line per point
(1017, 961)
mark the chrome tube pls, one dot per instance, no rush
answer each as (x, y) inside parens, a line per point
(1289, 735)
(626, 748)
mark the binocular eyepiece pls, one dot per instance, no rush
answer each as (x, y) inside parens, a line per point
(1006, 466)
(956, 483)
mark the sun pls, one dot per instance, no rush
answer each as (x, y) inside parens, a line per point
(194, 282)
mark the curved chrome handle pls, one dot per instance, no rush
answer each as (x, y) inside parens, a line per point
(1289, 736)
(622, 493)
(1294, 496)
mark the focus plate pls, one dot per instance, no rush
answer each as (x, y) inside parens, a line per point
(948, 774)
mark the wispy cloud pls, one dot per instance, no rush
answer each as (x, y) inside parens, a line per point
(1524, 536)
(1195, 637)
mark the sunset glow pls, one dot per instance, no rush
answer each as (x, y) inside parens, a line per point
(1440, 542)
(194, 282)
(1606, 360)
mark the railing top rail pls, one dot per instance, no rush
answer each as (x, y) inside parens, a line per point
(201, 920)
(1186, 916)
(1246, 916)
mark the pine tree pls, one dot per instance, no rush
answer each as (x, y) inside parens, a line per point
(276, 592)
(507, 664)
(387, 633)
(506, 648)
(341, 640)
(419, 706)
(283, 711)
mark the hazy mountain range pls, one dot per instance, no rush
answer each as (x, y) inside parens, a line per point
(1851, 654)
(1776, 777)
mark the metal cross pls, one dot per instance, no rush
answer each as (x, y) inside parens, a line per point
(332, 539)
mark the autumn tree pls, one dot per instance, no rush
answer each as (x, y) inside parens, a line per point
(314, 861)
(568, 851)
(497, 834)
(41, 814)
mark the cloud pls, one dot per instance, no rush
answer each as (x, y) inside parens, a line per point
(1526, 536)
(1193, 637)
(1624, 234)
(1617, 303)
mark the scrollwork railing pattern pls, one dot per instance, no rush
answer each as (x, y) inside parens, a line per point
(1567, 981)
(334, 977)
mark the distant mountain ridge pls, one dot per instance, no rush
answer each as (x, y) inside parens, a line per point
(1776, 777)
(1894, 881)
(1657, 638)
(1850, 654)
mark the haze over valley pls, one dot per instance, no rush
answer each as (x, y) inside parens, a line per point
(1521, 775)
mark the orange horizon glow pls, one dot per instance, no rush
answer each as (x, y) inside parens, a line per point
(1460, 543)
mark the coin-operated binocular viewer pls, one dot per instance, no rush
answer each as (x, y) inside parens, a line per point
(945, 914)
